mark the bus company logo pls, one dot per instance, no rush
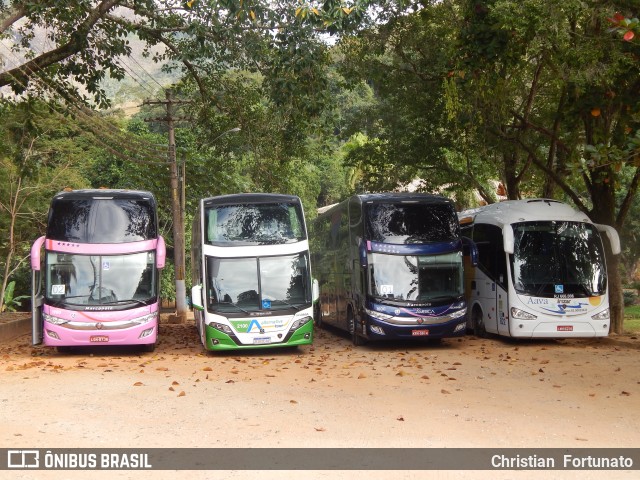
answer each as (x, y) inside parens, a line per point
(538, 301)
(99, 326)
(23, 459)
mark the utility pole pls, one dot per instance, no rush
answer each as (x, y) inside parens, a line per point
(177, 208)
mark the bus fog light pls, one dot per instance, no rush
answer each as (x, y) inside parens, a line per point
(307, 336)
(53, 334)
(460, 326)
(215, 341)
(376, 329)
(146, 333)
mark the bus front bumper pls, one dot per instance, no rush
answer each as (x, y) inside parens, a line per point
(218, 340)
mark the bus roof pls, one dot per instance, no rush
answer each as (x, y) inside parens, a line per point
(249, 198)
(104, 193)
(512, 211)
(391, 197)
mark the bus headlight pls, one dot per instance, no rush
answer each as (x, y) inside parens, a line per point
(300, 322)
(377, 315)
(521, 314)
(603, 315)
(458, 314)
(54, 320)
(145, 319)
(223, 328)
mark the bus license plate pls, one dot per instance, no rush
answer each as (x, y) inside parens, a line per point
(565, 328)
(261, 340)
(419, 333)
(98, 338)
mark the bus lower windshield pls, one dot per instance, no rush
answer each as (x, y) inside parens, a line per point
(85, 280)
(558, 259)
(423, 278)
(264, 283)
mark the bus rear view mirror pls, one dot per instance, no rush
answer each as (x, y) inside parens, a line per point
(315, 291)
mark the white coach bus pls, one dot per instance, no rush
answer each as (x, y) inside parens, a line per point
(541, 270)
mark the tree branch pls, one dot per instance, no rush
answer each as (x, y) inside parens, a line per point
(12, 16)
(23, 73)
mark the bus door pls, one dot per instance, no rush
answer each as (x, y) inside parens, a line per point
(491, 277)
(37, 295)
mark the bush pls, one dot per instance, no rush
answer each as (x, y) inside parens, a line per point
(629, 297)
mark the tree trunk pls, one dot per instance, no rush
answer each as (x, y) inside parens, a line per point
(616, 301)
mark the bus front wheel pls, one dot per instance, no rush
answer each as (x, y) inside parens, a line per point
(478, 324)
(317, 312)
(356, 339)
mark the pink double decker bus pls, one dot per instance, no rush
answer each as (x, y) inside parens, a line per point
(98, 281)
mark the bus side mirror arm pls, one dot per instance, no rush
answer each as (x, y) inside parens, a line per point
(508, 239)
(196, 298)
(612, 235)
(470, 248)
(161, 253)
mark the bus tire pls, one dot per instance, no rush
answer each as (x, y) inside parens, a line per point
(478, 324)
(149, 347)
(356, 339)
(64, 349)
(317, 315)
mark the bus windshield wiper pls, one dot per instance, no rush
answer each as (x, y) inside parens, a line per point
(289, 304)
(130, 300)
(234, 305)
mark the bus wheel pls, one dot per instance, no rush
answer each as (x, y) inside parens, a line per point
(148, 347)
(356, 339)
(317, 312)
(63, 349)
(478, 324)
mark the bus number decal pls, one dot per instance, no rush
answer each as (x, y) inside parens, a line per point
(57, 289)
(386, 289)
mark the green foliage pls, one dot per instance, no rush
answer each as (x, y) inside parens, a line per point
(629, 297)
(11, 302)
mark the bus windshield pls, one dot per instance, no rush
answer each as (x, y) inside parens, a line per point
(405, 223)
(558, 259)
(255, 224)
(109, 220)
(424, 279)
(86, 280)
(264, 283)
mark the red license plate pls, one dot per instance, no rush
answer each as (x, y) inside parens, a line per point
(565, 328)
(99, 338)
(419, 333)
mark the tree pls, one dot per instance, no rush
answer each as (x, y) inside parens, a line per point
(37, 157)
(540, 95)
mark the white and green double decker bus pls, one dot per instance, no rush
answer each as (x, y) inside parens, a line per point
(251, 274)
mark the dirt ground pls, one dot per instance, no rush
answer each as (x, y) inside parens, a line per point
(464, 392)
